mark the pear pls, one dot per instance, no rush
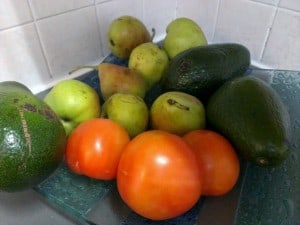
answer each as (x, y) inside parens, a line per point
(124, 34)
(130, 111)
(182, 34)
(177, 112)
(74, 102)
(118, 79)
(150, 61)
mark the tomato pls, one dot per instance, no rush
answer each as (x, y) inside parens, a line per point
(94, 148)
(158, 175)
(218, 160)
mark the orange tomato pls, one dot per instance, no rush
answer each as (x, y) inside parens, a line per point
(95, 147)
(218, 160)
(158, 175)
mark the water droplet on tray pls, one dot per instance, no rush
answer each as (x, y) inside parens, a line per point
(296, 124)
(294, 157)
(289, 207)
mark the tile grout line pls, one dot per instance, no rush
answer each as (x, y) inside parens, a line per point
(143, 10)
(67, 11)
(276, 5)
(16, 26)
(39, 38)
(216, 20)
(265, 42)
(176, 9)
(98, 28)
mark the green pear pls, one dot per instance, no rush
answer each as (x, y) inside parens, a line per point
(74, 102)
(130, 111)
(182, 34)
(150, 61)
(120, 79)
(177, 112)
(124, 34)
(182, 23)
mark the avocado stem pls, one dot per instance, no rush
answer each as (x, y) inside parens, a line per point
(83, 67)
(177, 104)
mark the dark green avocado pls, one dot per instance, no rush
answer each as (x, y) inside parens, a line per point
(32, 139)
(200, 71)
(251, 114)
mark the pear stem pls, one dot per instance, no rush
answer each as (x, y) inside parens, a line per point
(153, 34)
(83, 67)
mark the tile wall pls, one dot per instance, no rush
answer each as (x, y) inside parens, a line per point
(41, 40)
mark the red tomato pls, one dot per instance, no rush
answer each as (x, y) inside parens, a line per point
(94, 148)
(158, 175)
(218, 160)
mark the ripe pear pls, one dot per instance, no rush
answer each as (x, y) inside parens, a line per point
(177, 112)
(124, 34)
(114, 78)
(150, 61)
(120, 79)
(182, 34)
(130, 111)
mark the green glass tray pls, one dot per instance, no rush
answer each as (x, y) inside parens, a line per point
(261, 196)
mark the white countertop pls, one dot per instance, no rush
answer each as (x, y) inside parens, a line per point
(28, 208)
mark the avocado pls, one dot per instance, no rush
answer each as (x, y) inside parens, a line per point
(32, 139)
(250, 113)
(201, 70)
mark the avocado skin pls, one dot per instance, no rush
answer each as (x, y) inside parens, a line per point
(251, 114)
(200, 71)
(32, 139)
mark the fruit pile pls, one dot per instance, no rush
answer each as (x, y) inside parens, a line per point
(188, 141)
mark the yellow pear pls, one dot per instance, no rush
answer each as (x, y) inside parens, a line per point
(182, 34)
(128, 110)
(150, 61)
(177, 112)
(124, 34)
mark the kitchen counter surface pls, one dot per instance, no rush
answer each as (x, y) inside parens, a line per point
(28, 208)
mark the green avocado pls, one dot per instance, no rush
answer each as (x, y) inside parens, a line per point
(32, 139)
(200, 71)
(250, 113)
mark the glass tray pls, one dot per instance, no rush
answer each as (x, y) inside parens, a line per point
(261, 196)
